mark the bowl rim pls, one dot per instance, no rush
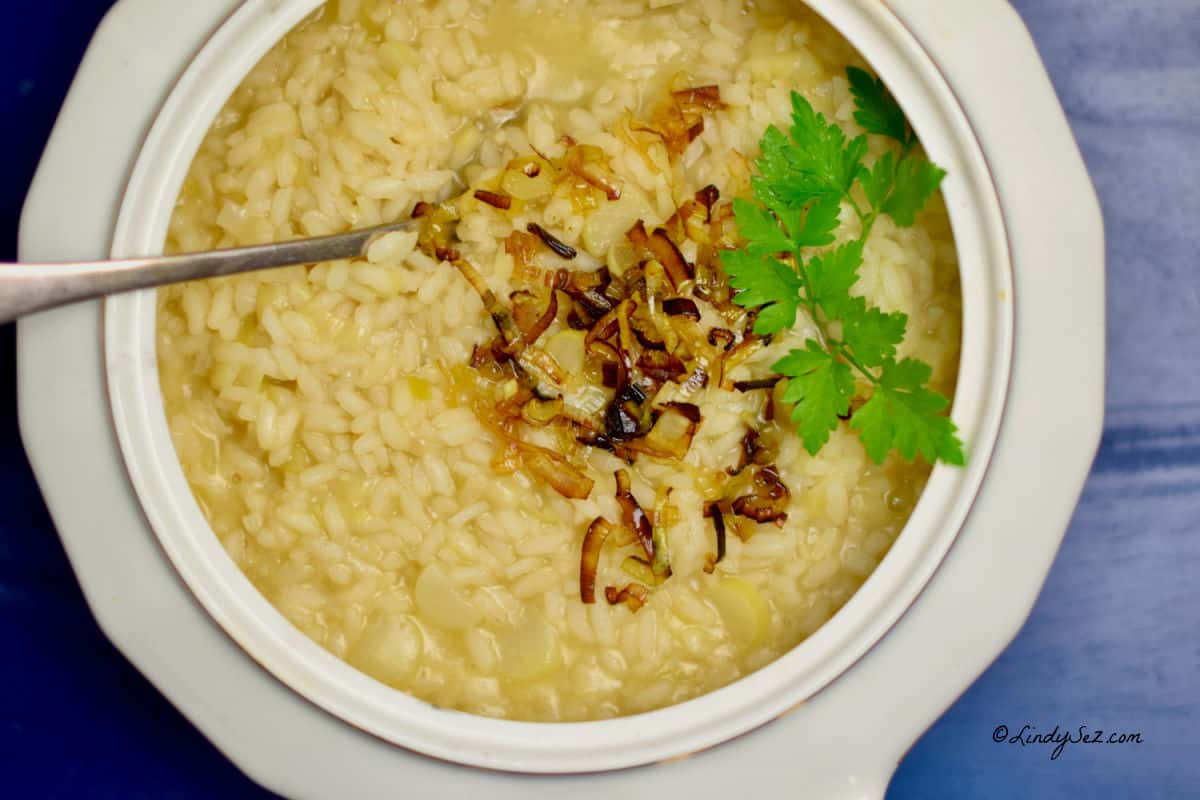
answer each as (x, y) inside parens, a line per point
(132, 380)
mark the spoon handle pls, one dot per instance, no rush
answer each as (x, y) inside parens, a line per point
(28, 288)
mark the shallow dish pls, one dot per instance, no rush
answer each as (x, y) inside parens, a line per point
(988, 299)
(748, 703)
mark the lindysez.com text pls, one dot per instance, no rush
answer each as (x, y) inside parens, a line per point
(1061, 737)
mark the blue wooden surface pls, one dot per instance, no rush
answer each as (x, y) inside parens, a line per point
(1112, 643)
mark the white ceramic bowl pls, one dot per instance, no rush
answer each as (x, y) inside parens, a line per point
(910, 44)
(578, 747)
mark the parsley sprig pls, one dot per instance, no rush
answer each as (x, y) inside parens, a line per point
(805, 178)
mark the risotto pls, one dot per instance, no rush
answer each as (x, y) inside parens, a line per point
(373, 441)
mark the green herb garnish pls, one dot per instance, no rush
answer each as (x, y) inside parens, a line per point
(804, 179)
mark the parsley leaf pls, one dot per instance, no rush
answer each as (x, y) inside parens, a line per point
(786, 179)
(761, 229)
(832, 276)
(819, 150)
(871, 334)
(821, 387)
(916, 181)
(878, 181)
(764, 281)
(819, 223)
(775, 318)
(878, 112)
(794, 190)
(852, 161)
(805, 178)
(774, 168)
(904, 415)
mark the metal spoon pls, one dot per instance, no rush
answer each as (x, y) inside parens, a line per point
(28, 288)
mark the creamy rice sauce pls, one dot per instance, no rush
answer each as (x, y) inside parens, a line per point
(325, 416)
